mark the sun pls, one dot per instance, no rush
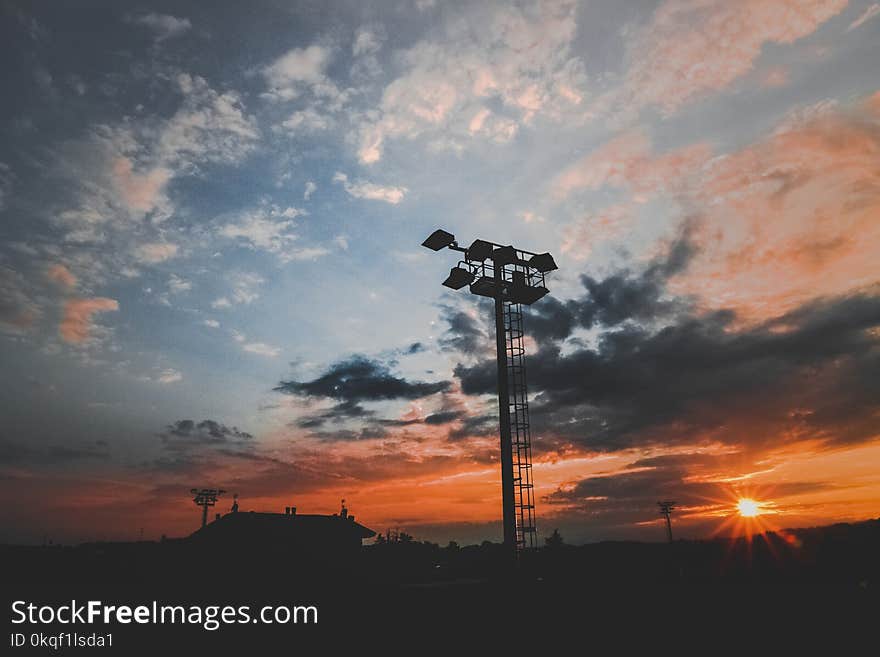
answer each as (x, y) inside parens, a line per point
(748, 508)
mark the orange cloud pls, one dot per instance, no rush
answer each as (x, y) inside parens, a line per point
(76, 322)
(61, 275)
(792, 217)
(692, 48)
(141, 191)
(628, 161)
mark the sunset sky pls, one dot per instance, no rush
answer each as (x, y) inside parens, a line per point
(211, 271)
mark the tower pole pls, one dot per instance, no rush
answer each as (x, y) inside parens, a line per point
(507, 488)
(204, 514)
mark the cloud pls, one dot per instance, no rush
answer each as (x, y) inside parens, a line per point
(142, 192)
(209, 126)
(244, 290)
(260, 231)
(306, 121)
(60, 275)
(487, 83)
(261, 349)
(816, 177)
(627, 161)
(466, 333)
(211, 323)
(302, 70)
(155, 252)
(871, 12)
(370, 191)
(299, 65)
(164, 26)
(184, 434)
(689, 49)
(367, 41)
(803, 377)
(177, 285)
(76, 321)
(582, 235)
(169, 375)
(271, 230)
(310, 189)
(359, 379)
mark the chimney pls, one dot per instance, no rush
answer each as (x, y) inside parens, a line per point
(287, 510)
(293, 510)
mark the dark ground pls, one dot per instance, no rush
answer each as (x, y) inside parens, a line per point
(816, 587)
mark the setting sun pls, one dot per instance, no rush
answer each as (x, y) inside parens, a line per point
(748, 508)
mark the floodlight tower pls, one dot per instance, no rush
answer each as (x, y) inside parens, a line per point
(666, 509)
(513, 278)
(205, 497)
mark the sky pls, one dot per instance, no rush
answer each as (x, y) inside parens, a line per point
(211, 271)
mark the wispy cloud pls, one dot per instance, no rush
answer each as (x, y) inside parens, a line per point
(370, 191)
(163, 25)
(871, 12)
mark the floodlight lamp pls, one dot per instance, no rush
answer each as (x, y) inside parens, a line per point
(528, 294)
(458, 278)
(439, 239)
(504, 255)
(479, 251)
(543, 262)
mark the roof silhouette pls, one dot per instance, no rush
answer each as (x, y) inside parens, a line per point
(251, 528)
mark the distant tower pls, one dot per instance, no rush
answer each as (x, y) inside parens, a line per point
(205, 497)
(343, 512)
(666, 509)
(234, 503)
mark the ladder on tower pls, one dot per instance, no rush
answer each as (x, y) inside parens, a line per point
(520, 435)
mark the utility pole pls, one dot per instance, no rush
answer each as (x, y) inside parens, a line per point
(666, 509)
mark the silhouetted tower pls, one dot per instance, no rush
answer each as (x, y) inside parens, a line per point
(513, 278)
(666, 509)
(205, 497)
(234, 508)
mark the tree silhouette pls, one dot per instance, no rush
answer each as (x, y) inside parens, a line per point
(554, 540)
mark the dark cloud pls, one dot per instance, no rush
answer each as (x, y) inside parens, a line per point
(813, 373)
(466, 333)
(444, 417)
(185, 433)
(351, 382)
(475, 426)
(551, 319)
(626, 296)
(360, 379)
